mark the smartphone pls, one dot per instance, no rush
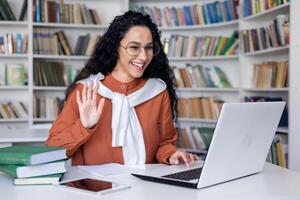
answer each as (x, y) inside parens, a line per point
(92, 186)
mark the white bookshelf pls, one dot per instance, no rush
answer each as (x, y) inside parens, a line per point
(294, 82)
(268, 51)
(266, 12)
(73, 26)
(237, 67)
(200, 27)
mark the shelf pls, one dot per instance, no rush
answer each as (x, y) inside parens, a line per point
(13, 120)
(198, 27)
(14, 23)
(23, 135)
(13, 55)
(203, 58)
(43, 120)
(10, 87)
(283, 129)
(267, 51)
(194, 120)
(235, 90)
(50, 88)
(76, 26)
(272, 10)
(266, 89)
(61, 57)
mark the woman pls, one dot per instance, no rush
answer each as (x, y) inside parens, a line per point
(120, 108)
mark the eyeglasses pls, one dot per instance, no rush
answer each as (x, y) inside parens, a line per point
(133, 49)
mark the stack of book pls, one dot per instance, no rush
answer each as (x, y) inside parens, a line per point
(59, 12)
(31, 165)
(13, 110)
(198, 76)
(47, 107)
(275, 34)
(199, 108)
(195, 138)
(193, 14)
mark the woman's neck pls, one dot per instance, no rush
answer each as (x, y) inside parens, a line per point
(121, 77)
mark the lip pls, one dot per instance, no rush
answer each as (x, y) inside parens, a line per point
(138, 68)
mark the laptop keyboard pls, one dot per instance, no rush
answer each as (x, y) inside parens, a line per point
(186, 175)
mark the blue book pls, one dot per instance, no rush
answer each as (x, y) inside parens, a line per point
(38, 11)
(174, 16)
(206, 73)
(215, 12)
(211, 13)
(228, 11)
(187, 15)
(206, 13)
(246, 8)
(18, 43)
(57, 13)
(219, 13)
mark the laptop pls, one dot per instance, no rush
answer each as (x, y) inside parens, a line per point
(239, 147)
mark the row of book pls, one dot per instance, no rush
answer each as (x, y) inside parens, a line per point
(15, 74)
(14, 43)
(254, 7)
(56, 43)
(274, 35)
(186, 46)
(60, 12)
(46, 42)
(270, 74)
(284, 117)
(7, 14)
(13, 110)
(47, 107)
(46, 73)
(195, 138)
(199, 107)
(86, 44)
(278, 153)
(209, 13)
(33, 165)
(197, 76)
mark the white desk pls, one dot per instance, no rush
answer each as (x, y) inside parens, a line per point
(273, 183)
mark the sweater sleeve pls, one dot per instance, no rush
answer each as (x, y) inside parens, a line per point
(67, 130)
(168, 135)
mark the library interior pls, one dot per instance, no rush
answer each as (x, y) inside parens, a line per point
(219, 52)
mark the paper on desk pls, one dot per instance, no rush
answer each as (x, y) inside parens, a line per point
(113, 169)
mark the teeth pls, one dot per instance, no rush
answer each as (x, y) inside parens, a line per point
(137, 64)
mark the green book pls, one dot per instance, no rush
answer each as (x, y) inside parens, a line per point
(21, 171)
(230, 42)
(31, 155)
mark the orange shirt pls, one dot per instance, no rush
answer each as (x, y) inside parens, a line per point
(94, 146)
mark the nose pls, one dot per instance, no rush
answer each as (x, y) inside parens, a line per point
(142, 54)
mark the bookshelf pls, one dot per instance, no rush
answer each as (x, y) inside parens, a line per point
(238, 67)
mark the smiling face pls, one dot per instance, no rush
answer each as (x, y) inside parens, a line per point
(131, 66)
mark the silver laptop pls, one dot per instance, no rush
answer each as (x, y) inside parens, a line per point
(239, 147)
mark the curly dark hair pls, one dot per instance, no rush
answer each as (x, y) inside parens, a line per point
(105, 55)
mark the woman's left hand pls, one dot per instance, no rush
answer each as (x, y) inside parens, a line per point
(182, 157)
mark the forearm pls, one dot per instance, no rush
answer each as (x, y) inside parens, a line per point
(70, 137)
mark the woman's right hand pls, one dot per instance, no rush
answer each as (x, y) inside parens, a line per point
(89, 110)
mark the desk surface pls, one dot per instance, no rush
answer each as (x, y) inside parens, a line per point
(273, 183)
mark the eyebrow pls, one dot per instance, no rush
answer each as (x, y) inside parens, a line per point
(135, 42)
